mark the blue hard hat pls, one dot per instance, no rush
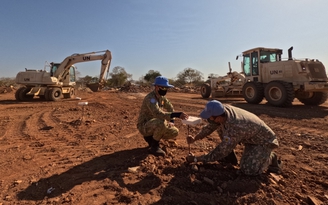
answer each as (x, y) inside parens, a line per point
(213, 108)
(162, 81)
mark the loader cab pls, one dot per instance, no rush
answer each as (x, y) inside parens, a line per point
(253, 58)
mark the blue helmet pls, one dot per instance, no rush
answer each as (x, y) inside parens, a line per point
(213, 108)
(162, 81)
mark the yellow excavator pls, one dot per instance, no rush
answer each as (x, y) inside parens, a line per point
(60, 81)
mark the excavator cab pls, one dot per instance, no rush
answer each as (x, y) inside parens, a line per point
(72, 74)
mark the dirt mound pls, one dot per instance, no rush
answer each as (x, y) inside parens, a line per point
(6, 89)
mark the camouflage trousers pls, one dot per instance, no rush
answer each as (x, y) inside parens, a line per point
(256, 159)
(159, 129)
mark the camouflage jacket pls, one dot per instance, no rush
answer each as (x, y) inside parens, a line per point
(154, 107)
(241, 127)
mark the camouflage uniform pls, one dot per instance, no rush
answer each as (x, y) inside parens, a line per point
(153, 120)
(246, 128)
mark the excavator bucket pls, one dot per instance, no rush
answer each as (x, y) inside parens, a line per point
(95, 87)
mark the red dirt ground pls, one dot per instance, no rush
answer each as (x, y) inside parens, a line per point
(102, 159)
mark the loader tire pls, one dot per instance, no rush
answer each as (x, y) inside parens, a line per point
(253, 92)
(46, 94)
(17, 93)
(71, 94)
(205, 90)
(317, 98)
(20, 94)
(279, 93)
(54, 94)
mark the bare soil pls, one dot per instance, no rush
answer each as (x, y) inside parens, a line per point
(66, 153)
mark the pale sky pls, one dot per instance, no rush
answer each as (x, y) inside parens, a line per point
(162, 35)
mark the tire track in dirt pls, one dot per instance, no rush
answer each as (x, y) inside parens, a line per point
(84, 137)
(66, 135)
(300, 127)
(14, 141)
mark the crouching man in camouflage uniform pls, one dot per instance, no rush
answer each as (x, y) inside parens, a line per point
(156, 118)
(238, 126)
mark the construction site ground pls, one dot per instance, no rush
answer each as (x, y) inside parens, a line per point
(66, 153)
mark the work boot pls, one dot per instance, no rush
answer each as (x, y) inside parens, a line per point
(155, 149)
(276, 164)
(149, 140)
(231, 158)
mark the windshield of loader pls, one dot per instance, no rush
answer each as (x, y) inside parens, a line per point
(246, 65)
(268, 56)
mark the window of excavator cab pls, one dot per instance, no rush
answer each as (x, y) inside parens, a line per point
(255, 62)
(267, 56)
(246, 65)
(53, 70)
(72, 74)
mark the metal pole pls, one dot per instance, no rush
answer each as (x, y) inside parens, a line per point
(189, 143)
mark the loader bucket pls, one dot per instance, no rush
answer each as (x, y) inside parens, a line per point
(95, 87)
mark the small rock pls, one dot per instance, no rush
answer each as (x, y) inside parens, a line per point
(208, 181)
(299, 196)
(194, 167)
(276, 177)
(18, 182)
(314, 201)
(133, 169)
(196, 181)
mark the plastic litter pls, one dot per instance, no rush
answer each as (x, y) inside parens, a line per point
(51, 189)
(192, 120)
(83, 103)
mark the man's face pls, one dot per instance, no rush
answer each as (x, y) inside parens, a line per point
(161, 90)
(217, 119)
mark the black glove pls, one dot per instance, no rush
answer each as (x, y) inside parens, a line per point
(175, 114)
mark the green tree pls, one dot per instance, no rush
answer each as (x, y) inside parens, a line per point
(5, 81)
(151, 75)
(118, 76)
(85, 80)
(191, 76)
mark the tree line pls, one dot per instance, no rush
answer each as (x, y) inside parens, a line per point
(118, 77)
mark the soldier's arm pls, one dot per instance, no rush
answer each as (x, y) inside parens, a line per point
(221, 151)
(157, 111)
(168, 105)
(207, 130)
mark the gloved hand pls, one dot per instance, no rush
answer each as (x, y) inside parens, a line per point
(180, 115)
(170, 124)
(184, 116)
(190, 139)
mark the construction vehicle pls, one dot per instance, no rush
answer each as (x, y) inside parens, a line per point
(279, 81)
(224, 86)
(60, 81)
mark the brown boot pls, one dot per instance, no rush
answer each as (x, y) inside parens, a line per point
(155, 149)
(149, 140)
(276, 164)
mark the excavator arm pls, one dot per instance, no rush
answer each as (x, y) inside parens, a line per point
(106, 57)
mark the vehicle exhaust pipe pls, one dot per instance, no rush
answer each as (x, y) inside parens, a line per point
(290, 56)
